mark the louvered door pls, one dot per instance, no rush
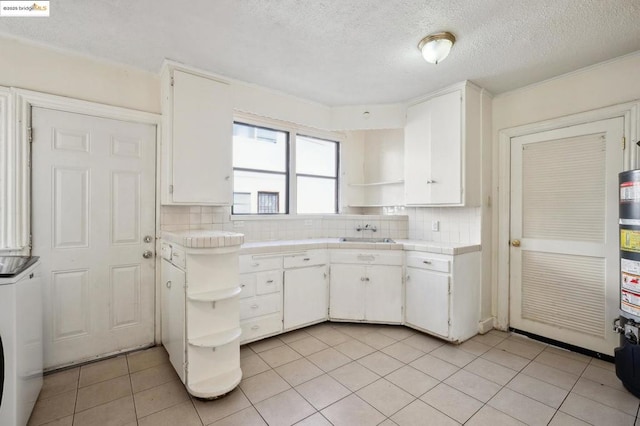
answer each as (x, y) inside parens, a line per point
(564, 256)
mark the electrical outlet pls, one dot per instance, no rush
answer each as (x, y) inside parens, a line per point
(435, 225)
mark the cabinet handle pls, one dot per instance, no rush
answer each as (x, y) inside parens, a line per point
(366, 279)
(255, 306)
(168, 284)
(270, 282)
(243, 285)
(255, 327)
(431, 181)
(255, 264)
(227, 177)
(306, 259)
(426, 262)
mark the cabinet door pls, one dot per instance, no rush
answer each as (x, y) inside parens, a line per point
(433, 156)
(417, 154)
(202, 140)
(173, 315)
(347, 292)
(384, 294)
(306, 296)
(427, 301)
(446, 144)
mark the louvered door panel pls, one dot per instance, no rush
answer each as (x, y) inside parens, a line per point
(564, 291)
(563, 189)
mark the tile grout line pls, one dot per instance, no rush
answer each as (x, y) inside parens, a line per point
(133, 398)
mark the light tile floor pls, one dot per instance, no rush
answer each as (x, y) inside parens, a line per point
(351, 374)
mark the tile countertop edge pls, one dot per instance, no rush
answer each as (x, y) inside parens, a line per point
(203, 238)
(324, 243)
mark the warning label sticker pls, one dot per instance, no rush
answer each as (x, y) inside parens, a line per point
(630, 191)
(632, 309)
(630, 240)
(630, 282)
(630, 266)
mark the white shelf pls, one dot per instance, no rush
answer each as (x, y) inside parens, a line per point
(390, 182)
(214, 296)
(217, 385)
(216, 339)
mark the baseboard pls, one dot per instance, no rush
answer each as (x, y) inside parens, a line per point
(485, 325)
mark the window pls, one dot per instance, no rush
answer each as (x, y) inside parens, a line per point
(268, 202)
(316, 175)
(260, 158)
(265, 169)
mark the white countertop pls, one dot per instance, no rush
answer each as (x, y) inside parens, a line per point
(204, 238)
(324, 243)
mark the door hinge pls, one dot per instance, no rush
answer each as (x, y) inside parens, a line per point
(449, 321)
(170, 189)
(624, 142)
(449, 287)
(30, 134)
(172, 81)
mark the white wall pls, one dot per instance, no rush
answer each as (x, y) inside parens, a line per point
(598, 86)
(32, 67)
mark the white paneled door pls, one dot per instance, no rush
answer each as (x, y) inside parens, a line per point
(93, 218)
(564, 233)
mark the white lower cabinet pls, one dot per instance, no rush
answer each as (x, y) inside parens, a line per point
(200, 320)
(442, 294)
(367, 287)
(173, 315)
(306, 296)
(427, 305)
(347, 292)
(383, 294)
(261, 296)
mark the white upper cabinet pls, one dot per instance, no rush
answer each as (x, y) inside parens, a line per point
(443, 137)
(197, 139)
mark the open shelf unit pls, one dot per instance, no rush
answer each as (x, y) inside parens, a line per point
(201, 315)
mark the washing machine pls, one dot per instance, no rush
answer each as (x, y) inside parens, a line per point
(21, 338)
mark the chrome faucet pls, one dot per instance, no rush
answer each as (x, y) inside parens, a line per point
(359, 228)
(371, 228)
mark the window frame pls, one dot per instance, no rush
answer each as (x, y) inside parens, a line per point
(292, 131)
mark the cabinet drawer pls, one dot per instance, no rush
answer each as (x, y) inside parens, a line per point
(311, 258)
(260, 305)
(428, 262)
(248, 285)
(256, 328)
(252, 263)
(268, 282)
(378, 257)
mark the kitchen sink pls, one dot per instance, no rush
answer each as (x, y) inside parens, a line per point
(366, 240)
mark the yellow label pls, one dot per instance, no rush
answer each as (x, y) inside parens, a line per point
(630, 240)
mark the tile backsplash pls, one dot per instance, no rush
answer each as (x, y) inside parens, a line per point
(456, 224)
(180, 218)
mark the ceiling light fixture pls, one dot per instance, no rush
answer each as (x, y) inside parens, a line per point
(436, 47)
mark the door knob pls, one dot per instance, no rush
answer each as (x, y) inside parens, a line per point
(147, 254)
(147, 238)
(515, 243)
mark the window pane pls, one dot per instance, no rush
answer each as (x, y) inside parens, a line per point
(316, 195)
(259, 148)
(241, 202)
(316, 156)
(253, 183)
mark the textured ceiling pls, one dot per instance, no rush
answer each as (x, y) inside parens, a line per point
(345, 52)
